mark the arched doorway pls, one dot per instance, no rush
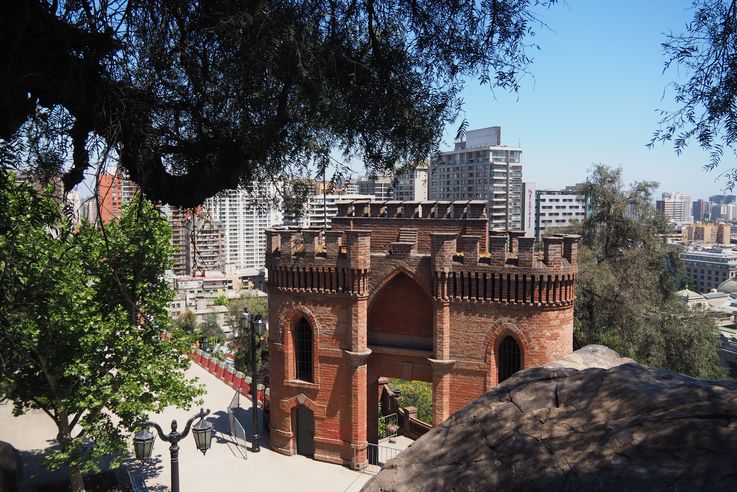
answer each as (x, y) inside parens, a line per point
(510, 358)
(305, 421)
(400, 335)
(401, 315)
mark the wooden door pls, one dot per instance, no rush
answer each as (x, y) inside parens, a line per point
(305, 431)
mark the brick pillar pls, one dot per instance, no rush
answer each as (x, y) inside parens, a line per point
(359, 338)
(526, 251)
(440, 390)
(514, 237)
(357, 361)
(441, 329)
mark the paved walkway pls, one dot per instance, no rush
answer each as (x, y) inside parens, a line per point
(222, 468)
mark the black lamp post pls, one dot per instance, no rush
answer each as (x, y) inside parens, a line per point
(258, 328)
(143, 441)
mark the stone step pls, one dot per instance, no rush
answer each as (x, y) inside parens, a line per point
(408, 236)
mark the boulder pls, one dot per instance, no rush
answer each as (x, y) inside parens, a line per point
(588, 421)
(11, 468)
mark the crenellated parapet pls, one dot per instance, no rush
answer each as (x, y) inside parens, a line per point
(509, 271)
(309, 260)
(403, 228)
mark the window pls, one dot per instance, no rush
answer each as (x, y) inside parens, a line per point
(510, 358)
(303, 350)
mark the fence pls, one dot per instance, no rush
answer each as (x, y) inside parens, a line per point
(237, 432)
(388, 426)
(377, 455)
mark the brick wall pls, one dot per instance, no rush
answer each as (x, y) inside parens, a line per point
(407, 314)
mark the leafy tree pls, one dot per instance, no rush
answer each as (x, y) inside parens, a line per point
(84, 313)
(211, 333)
(241, 343)
(705, 57)
(187, 321)
(196, 97)
(627, 280)
(416, 394)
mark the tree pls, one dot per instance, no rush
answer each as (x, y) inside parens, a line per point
(187, 321)
(416, 394)
(210, 333)
(706, 55)
(627, 280)
(84, 313)
(196, 97)
(241, 343)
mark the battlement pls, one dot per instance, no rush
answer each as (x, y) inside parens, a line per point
(387, 219)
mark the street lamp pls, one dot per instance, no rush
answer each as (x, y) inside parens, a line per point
(258, 328)
(143, 441)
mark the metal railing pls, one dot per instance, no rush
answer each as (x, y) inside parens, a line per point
(236, 430)
(388, 426)
(376, 454)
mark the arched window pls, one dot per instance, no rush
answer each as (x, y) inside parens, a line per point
(303, 350)
(510, 358)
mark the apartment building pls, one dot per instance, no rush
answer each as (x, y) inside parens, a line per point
(319, 210)
(243, 219)
(115, 191)
(378, 186)
(480, 168)
(677, 207)
(557, 208)
(708, 268)
(412, 185)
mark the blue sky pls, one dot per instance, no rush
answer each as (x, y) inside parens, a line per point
(592, 96)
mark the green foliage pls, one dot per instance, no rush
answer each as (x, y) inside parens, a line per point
(187, 321)
(84, 313)
(220, 300)
(210, 332)
(627, 279)
(199, 97)
(705, 89)
(241, 343)
(416, 394)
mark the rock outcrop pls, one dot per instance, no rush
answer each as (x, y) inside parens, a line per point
(589, 421)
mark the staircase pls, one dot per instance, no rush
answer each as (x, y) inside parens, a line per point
(407, 236)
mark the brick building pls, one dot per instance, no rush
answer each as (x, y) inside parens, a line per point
(412, 290)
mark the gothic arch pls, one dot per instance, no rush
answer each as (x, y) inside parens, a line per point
(289, 324)
(392, 275)
(499, 330)
(401, 313)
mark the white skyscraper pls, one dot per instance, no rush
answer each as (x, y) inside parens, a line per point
(243, 220)
(480, 168)
(412, 185)
(676, 206)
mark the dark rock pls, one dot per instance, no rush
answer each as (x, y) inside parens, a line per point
(589, 421)
(11, 468)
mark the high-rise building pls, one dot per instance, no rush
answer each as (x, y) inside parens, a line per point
(115, 191)
(412, 185)
(198, 241)
(243, 221)
(701, 210)
(379, 186)
(480, 168)
(319, 210)
(676, 207)
(557, 208)
(723, 199)
(88, 210)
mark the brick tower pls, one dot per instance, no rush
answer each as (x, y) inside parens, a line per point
(412, 290)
